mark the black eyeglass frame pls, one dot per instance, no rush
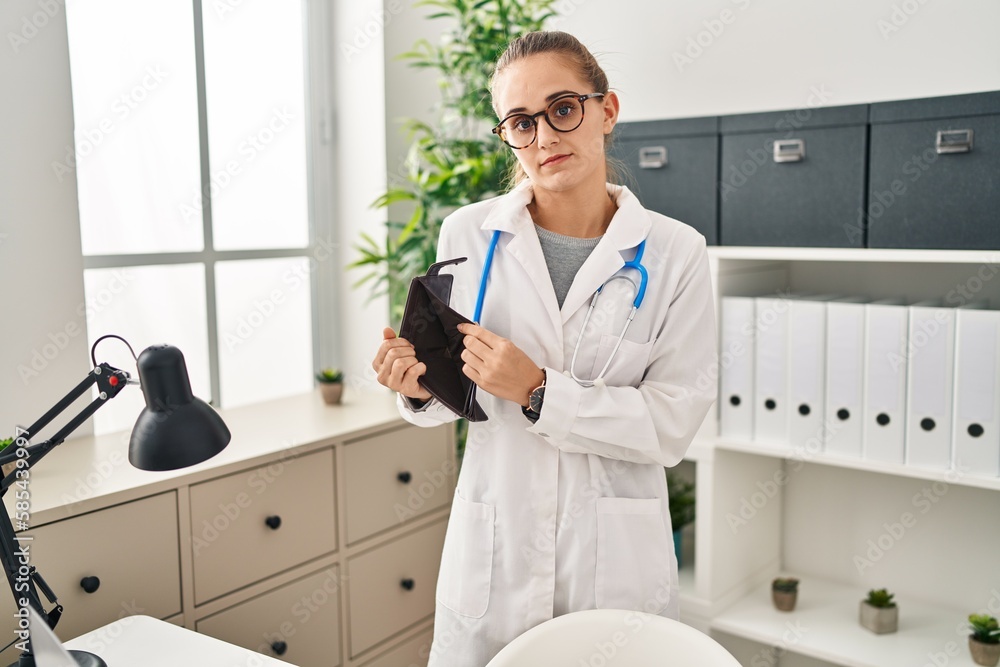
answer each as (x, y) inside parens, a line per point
(498, 130)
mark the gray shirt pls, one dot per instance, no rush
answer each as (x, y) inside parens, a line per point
(564, 255)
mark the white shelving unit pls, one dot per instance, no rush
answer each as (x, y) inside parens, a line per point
(765, 509)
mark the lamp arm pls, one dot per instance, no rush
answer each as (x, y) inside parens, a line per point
(21, 576)
(109, 380)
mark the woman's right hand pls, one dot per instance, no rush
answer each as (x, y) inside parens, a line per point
(397, 366)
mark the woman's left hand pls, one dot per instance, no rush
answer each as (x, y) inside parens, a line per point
(498, 366)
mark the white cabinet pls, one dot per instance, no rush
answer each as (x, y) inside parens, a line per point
(253, 524)
(314, 537)
(842, 525)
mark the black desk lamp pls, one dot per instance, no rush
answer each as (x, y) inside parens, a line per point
(175, 430)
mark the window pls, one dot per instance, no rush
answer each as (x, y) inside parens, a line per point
(191, 160)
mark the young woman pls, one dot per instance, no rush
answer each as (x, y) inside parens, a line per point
(561, 502)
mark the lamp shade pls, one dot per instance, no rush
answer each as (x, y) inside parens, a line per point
(175, 429)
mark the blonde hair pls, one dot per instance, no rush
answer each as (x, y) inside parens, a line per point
(579, 56)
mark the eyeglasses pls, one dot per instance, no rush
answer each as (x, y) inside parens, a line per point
(564, 114)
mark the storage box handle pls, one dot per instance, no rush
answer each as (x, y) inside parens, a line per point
(953, 141)
(789, 150)
(652, 157)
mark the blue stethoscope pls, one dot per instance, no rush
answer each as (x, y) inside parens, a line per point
(639, 291)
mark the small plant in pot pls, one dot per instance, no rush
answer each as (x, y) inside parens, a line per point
(984, 642)
(680, 494)
(879, 613)
(331, 385)
(784, 592)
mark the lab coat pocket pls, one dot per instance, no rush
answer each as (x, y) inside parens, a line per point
(467, 558)
(628, 365)
(634, 566)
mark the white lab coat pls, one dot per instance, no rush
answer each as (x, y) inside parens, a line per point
(571, 513)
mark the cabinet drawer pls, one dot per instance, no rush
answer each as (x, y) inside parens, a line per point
(773, 199)
(674, 166)
(132, 552)
(392, 587)
(411, 653)
(298, 623)
(920, 198)
(253, 524)
(396, 476)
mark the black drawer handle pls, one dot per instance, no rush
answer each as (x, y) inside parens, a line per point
(407, 584)
(404, 477)
(273, 522)
(90, 584)
(279, 647)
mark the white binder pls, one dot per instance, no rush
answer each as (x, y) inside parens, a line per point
(929, 385)
(807, 372)
(976, 409)
(770, 406)
(845, 334)
(885, 381)
(736, 356)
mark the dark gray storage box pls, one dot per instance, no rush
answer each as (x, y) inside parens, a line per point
(809, 190)
(935, 173)
(674, 166)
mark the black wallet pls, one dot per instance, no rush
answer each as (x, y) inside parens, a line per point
(431, 325)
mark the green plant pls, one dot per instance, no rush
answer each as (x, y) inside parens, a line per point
(680, 493)
(455, 161)
(984, 628)
(785, 584)
(880, 598)
(5, 443)
(330, 376)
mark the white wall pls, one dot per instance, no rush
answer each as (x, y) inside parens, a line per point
(755, 55)
(360, 172)
(43, 348)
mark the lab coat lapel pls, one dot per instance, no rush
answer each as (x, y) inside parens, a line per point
(511, 215)
(629, 226)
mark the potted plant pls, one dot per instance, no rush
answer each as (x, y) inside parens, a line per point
(984, 642)
(8, 467)
(331, 385)
(879, 613)
(680, 493)
(784, 592)
(452, 160)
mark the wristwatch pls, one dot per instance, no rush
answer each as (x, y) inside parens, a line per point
(535, 398)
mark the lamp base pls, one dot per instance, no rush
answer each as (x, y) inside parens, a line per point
(82, 658)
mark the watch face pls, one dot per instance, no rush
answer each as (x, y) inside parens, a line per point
(535, 400)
